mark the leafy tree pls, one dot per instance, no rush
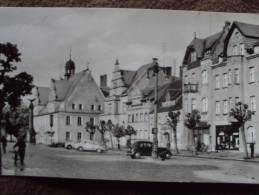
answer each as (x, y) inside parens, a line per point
(102, 129)
(191, 122)
(118, 132)
(173, 119)
(129, 131)
(90, 128)
(12, 86)
(242, 115)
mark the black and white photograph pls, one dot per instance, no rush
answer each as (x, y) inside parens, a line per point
(129, 94)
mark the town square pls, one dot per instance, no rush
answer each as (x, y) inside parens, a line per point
(136, 96)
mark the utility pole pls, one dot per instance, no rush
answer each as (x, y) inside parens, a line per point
(31, 125)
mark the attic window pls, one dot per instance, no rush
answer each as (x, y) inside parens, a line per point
(92, 107)
(193, 56)
(80, 107)
(73, 106)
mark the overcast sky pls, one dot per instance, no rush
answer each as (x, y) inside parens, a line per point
(98, 36)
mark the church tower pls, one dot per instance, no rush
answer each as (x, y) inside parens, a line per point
(69, 67)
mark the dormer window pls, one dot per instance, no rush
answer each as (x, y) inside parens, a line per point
(92, 107)
(80, 106)
(220, 59)
(193, 56)
(73, 106)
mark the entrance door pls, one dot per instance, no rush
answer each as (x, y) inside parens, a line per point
(227, 138)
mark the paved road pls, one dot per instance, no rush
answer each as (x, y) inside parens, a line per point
(59, 162)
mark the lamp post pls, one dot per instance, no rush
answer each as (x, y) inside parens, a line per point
(155, 69)
(31, 126)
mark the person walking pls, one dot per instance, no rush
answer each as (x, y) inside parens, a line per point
(4, 143)
(19, 148)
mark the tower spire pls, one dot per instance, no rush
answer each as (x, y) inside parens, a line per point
(70, 53)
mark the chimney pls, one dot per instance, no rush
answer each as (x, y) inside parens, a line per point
(103, 81)
(227, 25)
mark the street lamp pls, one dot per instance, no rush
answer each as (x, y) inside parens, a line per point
(155, 69)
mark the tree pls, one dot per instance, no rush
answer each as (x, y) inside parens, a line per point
(90, 128)
(102, 129)
(12, 86)
(191, 122)
(241, 114)
(110, 127)
(118, 132)
(173, 119)
(129, 131)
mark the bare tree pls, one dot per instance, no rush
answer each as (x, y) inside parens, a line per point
(241, 114)
(172, 122)
(118, 132)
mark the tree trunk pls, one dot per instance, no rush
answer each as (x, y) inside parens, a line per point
(103, 139)
(118, 141)
(1, 143)
(194, 143)
(175, 141)
(242, 128)
(111, 139)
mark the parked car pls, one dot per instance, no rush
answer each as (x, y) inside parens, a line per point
(144, 148)
(57, 145)
(70, 145)
(89, 146)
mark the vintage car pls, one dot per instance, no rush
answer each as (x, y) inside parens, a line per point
(144, 148)
(89, 146)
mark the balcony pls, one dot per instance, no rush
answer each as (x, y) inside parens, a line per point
(190, 88)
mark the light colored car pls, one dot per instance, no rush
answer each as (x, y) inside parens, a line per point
(89, 146)
(69, 145)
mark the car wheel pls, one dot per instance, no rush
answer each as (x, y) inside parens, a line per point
(99, 150)
(168, 155)
(137, 155)
(80, 149)
(69, 147)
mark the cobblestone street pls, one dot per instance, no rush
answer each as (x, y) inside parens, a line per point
(114, 165)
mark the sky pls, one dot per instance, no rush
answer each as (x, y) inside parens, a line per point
(99, 36)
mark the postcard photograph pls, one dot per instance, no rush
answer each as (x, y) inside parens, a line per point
(129, 94)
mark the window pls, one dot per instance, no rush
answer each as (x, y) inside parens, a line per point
(67, 120)
(141, 116)
(73, 106)
(80, 107)
(252, 104)
(225, 107)
(236, 100)
(186, 81)
(146, 117)
(79, 136)
(132, 118)
(251, 138)
(204, 77)
(217, 107)
(193, 56)
(229, 77)
(242, 49)
(186, 105)
(194, 80)
(67, 136)
(129, 118)
(51, 120)
(79, 121)
(91, 121)
(251, 74)
(193, 104)
(92, 107)
(99, 107)
(236, 76)
(235, 52)
(217, 81)
(230, 103)
(225, 80)
(204, 105)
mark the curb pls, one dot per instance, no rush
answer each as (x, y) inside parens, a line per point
(217, 158)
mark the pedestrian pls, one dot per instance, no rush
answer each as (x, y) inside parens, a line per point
(19, 148)
(4, 143)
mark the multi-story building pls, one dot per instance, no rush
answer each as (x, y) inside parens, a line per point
(130, 100)
(219, 71)
(62, 110)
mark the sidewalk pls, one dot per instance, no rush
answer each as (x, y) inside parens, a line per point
(221, 155)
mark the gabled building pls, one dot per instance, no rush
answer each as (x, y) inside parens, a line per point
(131, 96)
(62, 109)
(219, 71)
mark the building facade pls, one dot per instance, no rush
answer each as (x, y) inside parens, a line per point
(130, 101)
(62, 110)
(219, 71)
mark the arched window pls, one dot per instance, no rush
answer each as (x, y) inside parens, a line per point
(204, 104)
(204, 77)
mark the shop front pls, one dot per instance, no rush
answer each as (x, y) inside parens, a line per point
(227, 137)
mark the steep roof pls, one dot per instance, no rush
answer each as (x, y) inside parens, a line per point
(43, 95)
(249, 30)
(128, 76)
